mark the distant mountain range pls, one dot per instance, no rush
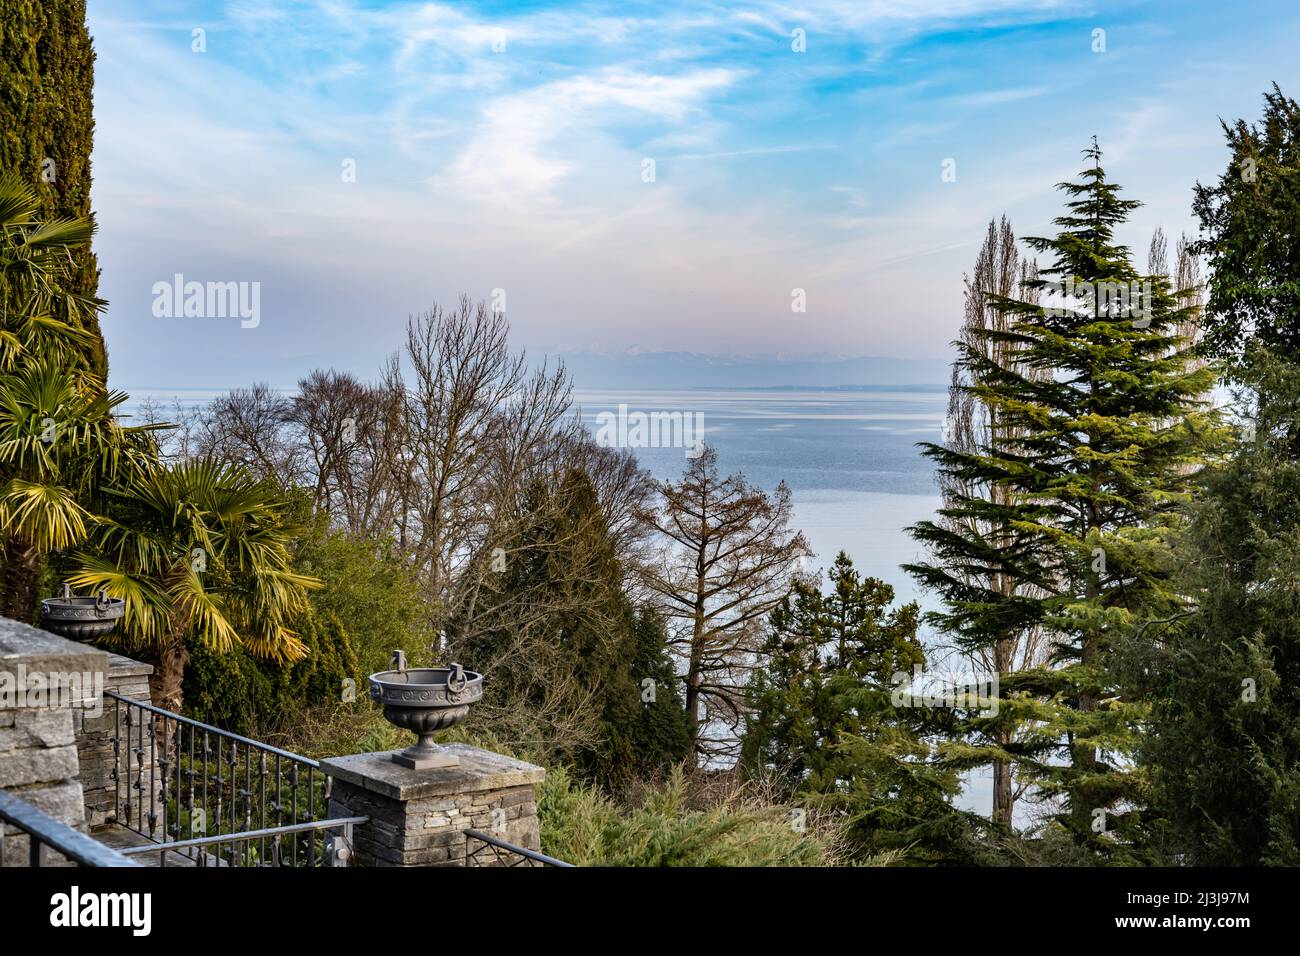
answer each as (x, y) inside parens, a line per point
(644, 369)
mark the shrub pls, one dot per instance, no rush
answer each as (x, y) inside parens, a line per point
(582, 826)
(259, 698)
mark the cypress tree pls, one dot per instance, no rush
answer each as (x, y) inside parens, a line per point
(1103, 400)
(47, 122)
(564, 582)
(972, 538)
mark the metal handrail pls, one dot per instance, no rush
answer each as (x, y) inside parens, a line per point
(198, 724)
(246, 835)
(273, 834)
(176, 779)
(511, 848)
(43, 830)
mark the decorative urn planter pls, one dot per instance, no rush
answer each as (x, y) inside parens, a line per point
(425, 700)
(81, 618)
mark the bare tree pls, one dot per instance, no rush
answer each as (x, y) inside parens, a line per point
(248, 426)
(972, 427)
(472, 421)
(180, 428)
(728, 559)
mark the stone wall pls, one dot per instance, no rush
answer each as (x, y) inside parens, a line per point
(46, 684)
(128, 678)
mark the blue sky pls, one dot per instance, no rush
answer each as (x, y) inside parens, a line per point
(502, 146)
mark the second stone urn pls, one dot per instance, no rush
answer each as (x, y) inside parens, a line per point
(425, 700)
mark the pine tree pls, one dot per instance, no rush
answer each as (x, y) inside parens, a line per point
(1102, 399)
(824, 727)
(47, 122)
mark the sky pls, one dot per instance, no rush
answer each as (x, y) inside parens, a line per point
(625, 177)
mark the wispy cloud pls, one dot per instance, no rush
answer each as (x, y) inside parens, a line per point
(503, 145)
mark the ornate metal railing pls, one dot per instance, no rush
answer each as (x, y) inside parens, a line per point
(484, 849)
(195, 787)
(42, 831)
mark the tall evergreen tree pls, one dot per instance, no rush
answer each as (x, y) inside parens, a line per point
(1223, 750)
(564, 649)
(47, 125)
(1250, 229)
(1103, 401)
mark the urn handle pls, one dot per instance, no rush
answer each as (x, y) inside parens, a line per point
(456, 681)
(102, 600)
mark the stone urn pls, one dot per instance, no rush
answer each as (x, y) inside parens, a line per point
(425, 700)
(81, 618)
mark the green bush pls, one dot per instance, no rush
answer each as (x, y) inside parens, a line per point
(369, 588)
(368, 605)
(258, 698)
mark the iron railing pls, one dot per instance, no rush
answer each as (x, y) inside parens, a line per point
(488, 850)
(43, 831)
(207, 851)
(184, 783)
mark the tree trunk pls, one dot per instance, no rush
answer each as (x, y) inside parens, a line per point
(1002, 768)
(22, 571)
(1002, 786)
(169, 660)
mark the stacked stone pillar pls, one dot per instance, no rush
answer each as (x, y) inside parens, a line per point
(419, 817)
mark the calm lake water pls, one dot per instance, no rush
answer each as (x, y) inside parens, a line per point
(849, 457)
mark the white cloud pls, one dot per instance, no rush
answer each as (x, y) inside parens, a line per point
(514, 157)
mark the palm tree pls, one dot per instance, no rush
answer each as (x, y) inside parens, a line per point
(40, 315)
(200, 551)
(59, 443)
(60, 438)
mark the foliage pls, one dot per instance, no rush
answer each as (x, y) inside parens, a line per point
(824, 725)
(198, 550)
(367, 586)
(60, 440)
(1223, 747)
(259, 698)
(1250, 226)
(582, 826)
(46, 131)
